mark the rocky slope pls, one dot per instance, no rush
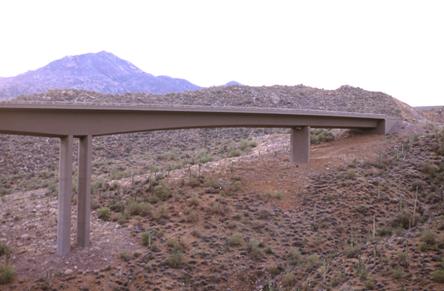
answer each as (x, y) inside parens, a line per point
(345, 98)
(100, 72)
(432, 113)
(366, 213)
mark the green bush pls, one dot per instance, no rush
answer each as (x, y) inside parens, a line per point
(104, 213)
(320, 135)
(254, 249)
(204, 157)
(312, 261)
(234, 153)
(294, 257)
(162, 191)
(125, 256)
(7, 274)
(194, 201)
(160, 213)
(176, 245)
(428, 237)
(138, 208)
(246, 144)
(352, 251)
(398, 273)
(218, 208)
(288, 280)
(147, 238)
(4, 250)
(275, 269)
(235, 240)
(175, 259)
(401, 220)
(274, 195)
(438, 276)
(385, 231)
(428, 241)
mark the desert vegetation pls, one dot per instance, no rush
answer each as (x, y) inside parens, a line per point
(225, 209)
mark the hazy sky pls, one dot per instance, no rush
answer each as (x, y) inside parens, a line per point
(391, 46)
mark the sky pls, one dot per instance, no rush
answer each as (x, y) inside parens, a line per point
(393, 46)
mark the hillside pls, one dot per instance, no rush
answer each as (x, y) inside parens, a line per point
(372, 219)
(345, 98)
(432, 113)
(100, 72)
(224, 209)
(131, 153)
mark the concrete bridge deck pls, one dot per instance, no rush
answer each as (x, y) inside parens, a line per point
(86, 121)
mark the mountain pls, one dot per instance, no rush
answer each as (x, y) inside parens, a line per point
(101, 72)
(233, 83)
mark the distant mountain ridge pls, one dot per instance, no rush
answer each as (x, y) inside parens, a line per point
(101, 72)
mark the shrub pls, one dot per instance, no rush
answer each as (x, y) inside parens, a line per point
(124, 256)
(176, 245)
(401, 220)
(403, 259)
(191, 216)
(4, 250)
(218, 208)
(398, 273)
(204, 157)
(294, 256)
(385, 231)
(312, 261)
(3, 190)
(7, 274)
(274, 195)
(194, 201)
(275, 269)
(117, 206)
(428, 241)
(370, 284)
(235, 240)
(428, 237)
(288, 280)
(234, 153)
(352, 251)
(246, 144)
(430, 169)
(160, 213)
(104, 213)
(138, 208)
(318, 136)
(147, 238)
(361, 270)
(438, 276)
(194, 181)
(175, 259)
(162, 191)
(254, 249)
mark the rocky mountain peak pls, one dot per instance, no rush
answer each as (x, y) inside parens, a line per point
(102, 72)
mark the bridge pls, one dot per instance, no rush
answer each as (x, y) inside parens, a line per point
(87, 121)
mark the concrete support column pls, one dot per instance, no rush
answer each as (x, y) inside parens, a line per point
(84, 199)
(300, 145)
(65, 194)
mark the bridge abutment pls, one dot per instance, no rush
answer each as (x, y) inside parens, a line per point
(300, 145)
